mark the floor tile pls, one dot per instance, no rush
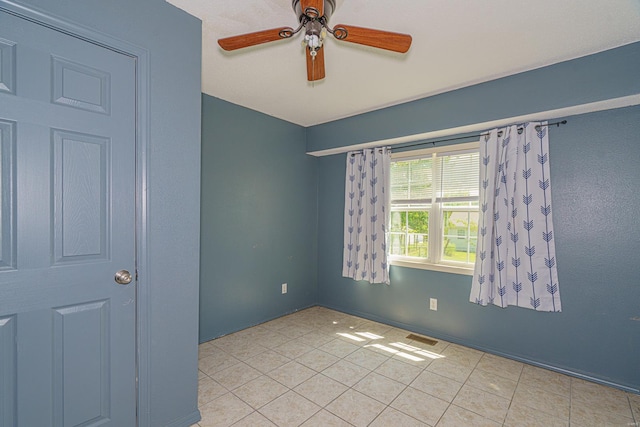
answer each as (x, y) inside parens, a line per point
(354, 337)
(582, 415)
(483, 403)
(546, 380)
(315, 338)
(456, 416)
(208, 390)
(397, 335)
(411, 358)
(236, 375)
(399, 371)
(257, 332)
(293, 349)
(325, 418)
(272, 339)
(634, 400)
(346, 372)
(462, 355)
(267, 361)
(382, 347)
(371, 327)
(296, 330)
(223, 411)
(260, 391)
(379, 387)
(501, 366)
(525, 416)
(278, 323)
(216, 362)
(420, 405)
(206, 349)
(355, 408)
(596, 397)
(289, 410)
(321, 389)
(437, 348)
(594, 403)
(492, 383)
(292, 374)
(393, 417)
(226, 341)
(339, 348)
(245, 351)
(366, 358)
(553, 404)
(317, 360)
(450, 369)
(255, 419)
(437, 385)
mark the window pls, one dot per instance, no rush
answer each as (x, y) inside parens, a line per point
(434, 208)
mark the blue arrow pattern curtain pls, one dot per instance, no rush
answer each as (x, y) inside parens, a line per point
(515, 256)
(366, 217)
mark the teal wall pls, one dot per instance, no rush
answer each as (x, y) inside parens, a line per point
(172, 39)
(259, 219)
(594, 179)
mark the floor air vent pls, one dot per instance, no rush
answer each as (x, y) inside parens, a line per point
(421, 339)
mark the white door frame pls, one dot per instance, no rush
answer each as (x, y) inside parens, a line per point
(141, 58)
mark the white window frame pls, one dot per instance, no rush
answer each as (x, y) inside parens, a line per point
(435, 219)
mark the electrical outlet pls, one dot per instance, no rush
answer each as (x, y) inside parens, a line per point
(284, 288)
(433, 304)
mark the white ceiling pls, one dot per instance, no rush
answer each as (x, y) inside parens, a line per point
(456, 43)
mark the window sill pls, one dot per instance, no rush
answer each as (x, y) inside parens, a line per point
(444, 268)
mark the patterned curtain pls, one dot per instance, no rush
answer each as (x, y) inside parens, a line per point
(515, 256)
(366, 217)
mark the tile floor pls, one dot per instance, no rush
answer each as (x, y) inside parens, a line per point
(319, 367)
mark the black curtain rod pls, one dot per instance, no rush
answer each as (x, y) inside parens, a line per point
(562, 122)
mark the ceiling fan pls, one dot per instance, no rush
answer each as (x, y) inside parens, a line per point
(313, 16)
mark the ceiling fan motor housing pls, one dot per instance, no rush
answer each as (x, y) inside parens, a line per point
(329, 7)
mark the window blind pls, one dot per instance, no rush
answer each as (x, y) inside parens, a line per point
(459, 177)
(453, 176)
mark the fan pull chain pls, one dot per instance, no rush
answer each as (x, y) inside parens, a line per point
(313, 67)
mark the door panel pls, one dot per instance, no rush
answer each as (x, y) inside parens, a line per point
(7, 66)
(81, 373)
(81, 192)
(7, 370)
(67, 225)
(7, 200)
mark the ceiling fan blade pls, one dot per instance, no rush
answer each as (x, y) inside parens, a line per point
(315, 67)
(252, 39)
(396, 42)
(314, 4)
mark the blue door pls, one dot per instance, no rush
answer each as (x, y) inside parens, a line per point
(67, 226)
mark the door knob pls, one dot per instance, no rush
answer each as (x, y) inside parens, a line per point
(123, 277)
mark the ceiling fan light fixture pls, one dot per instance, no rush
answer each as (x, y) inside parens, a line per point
(314, 36)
